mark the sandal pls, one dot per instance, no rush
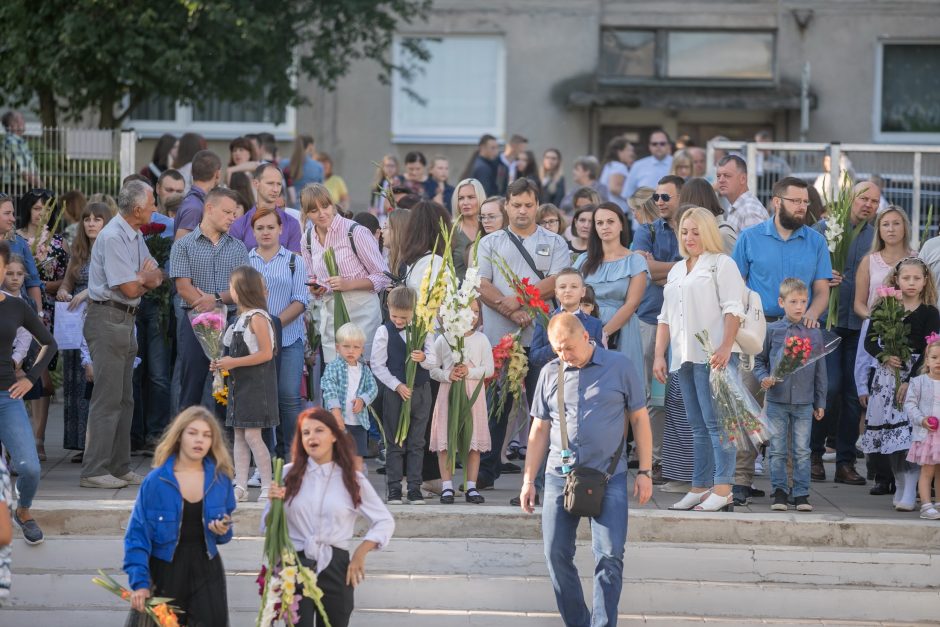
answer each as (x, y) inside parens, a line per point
(447, 496)
(473, 496)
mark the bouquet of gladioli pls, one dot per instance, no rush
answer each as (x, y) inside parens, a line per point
(340, 313)
(456, 322)
(527, 294)
(800, 351)
(510, 366)
(428, 303)
(739, 415)
(209, 328)
(887, 321)
(839, 237)
(281, 572)
(157, 608)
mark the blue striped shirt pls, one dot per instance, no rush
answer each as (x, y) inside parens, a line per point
(284, 288)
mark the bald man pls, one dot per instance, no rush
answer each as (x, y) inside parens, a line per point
(600, 388)
(842, 404)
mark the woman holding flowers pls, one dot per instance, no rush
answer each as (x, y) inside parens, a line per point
(901, 320)
(323, 497)
(702, 293)
(359, 272)
(182, 513)
(619, 279)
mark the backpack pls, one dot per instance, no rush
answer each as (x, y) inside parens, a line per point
(750, 337)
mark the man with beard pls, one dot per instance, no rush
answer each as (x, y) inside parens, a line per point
(768, 253)
(840, 363)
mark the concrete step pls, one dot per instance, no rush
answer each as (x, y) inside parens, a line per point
(458, 577)
(109, 517)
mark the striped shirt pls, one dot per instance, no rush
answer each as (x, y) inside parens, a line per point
(284, 287)
(368, 264)
(209, 266)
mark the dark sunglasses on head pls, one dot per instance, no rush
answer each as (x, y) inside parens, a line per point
(663, 197)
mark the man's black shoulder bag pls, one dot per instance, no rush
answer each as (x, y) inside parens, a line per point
(584, 487)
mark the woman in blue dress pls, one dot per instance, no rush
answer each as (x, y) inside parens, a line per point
(619, 278)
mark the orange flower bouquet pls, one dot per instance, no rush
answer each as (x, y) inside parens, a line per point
(157, 608)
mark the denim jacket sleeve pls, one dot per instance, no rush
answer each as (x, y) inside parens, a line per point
(137, 546)
(762, 359)
(230, 505)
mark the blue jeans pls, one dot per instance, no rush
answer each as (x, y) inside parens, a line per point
(16, 433)
(790, 424)
(608, 538)
(289, 374)
(154, 348)
(713, 463)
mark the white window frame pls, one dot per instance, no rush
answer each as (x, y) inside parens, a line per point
(212, 130)
(468, 135)
(895, 137)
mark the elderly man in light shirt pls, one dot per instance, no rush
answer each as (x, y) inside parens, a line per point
(742, 208)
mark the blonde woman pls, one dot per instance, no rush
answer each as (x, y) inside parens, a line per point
(182, 513)
(681, 165)
(703, 292)
(465, 208)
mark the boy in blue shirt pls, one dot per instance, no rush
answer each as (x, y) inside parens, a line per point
(793, 402)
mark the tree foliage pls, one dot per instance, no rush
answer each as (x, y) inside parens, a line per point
(68, 57)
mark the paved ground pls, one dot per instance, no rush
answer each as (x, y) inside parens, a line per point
(60, 482)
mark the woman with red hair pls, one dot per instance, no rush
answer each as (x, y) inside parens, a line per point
(323, 496)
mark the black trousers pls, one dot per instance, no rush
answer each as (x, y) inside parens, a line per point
(337, 596)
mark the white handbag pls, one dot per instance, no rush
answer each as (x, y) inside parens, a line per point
(750, 337)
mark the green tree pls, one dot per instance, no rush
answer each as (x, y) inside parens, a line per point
(69, 57)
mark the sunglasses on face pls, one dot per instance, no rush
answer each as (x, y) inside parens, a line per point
(662, 197)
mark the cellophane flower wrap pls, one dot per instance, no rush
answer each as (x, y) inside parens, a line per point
(510, 366)
(527, 294)
(209, 328)
(839, 237)
(283, 580)
(456, 322)
(340, 313)
(801, 350)
(427, 305)
(159, 609)
(887, 322)
(740, 422)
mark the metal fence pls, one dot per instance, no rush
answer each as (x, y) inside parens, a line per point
(909, 175)
(64, 159)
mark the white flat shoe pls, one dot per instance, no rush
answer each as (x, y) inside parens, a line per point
(715, 503)
(690, 500)
(241, 494)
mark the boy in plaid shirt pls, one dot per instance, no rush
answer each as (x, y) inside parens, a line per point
(349, 387)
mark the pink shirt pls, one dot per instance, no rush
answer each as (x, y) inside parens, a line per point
(368, 265)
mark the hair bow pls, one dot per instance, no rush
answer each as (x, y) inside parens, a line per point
(932, 338)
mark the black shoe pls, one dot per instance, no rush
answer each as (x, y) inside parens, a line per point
(845, 473)
(32, 534)
(817, 472)
(447, 496)
(516, 501)
(415, 497)
(484, 483)
(742, 494)
(394, 496)
(780, 501)
(472, 496)
(509, 469)
(883, 487)
(380, 470)
(512, 451)
(802, 504)
(756, 494)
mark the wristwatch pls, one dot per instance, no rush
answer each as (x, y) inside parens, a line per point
(218, 297)
(645, 473)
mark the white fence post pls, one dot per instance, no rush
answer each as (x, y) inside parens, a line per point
(752, 167)
(835, 169)
(915, 201)
(128, 159)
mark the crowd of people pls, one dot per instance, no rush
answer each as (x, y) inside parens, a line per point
(635, 259)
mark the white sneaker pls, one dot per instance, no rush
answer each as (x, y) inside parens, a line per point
(255, 481)
(107, 482)
(241, 494)
(132, 478)
(264, 494)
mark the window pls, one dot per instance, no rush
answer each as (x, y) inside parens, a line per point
(907, 92)
(457, 96)
(686, 56)
(215, 119)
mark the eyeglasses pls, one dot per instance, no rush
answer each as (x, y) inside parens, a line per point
(550, 222)
(797, 201)
(486, 218)
(663, 197)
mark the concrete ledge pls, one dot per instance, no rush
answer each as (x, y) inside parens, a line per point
(109, 517)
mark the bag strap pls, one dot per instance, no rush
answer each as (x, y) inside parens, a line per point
(525, 254)
(352, 242)
(563, 422)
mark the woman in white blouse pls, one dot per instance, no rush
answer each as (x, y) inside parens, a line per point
(702, 292)
(323, 496)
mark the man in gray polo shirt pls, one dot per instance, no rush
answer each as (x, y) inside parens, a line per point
(546, 254)
(600, 388)
(120, 272)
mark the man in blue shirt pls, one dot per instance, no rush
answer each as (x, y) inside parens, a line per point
(648, 170)
(766, 254)
(840, 362)
(657, 242)
(600, 386)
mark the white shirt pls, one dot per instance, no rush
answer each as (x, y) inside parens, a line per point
(478, 357)
(611, 168)
(691, 304)
(417, 270)
(353, 376)
(379, 361)
(322, 516)
(251, 340)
